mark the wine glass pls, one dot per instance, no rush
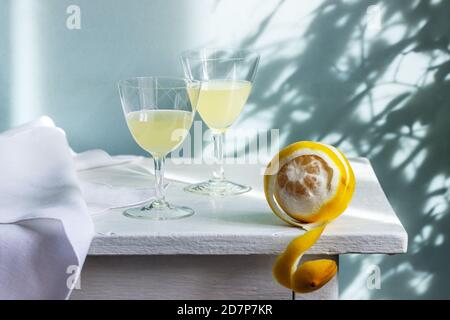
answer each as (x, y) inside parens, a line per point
(226, 77)
(159, 112)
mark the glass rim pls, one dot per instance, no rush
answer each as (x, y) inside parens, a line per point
(196, 53)
(128, 82)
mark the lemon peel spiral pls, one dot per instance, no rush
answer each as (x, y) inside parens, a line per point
(307, 184)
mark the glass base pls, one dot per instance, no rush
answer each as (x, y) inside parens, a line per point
(159, 210)
(218, 188)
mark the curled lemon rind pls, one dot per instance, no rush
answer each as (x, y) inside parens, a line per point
(310, 275)
(330, 209)
(313, 275)
(286, 263)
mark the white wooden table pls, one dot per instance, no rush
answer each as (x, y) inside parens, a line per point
(226, 250)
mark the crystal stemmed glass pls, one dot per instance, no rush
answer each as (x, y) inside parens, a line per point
(226, 77)
(159, 113)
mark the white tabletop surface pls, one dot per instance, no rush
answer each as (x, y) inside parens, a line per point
(245, 224)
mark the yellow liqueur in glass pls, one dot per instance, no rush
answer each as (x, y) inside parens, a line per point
(159, 112)
(226, 79)
(159, 131)
(221, 102)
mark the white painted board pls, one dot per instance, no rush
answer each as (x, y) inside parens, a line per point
(188, 277)
(244, 224)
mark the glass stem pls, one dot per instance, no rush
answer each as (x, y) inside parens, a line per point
(159, 182)
(219, 145)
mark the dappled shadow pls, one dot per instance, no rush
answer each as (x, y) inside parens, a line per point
(384, 96)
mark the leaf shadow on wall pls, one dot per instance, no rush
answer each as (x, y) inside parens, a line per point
(348, 90)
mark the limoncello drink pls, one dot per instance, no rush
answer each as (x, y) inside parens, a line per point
(159, 131)
(221, 101)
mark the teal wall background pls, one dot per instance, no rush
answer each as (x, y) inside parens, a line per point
(372, 80)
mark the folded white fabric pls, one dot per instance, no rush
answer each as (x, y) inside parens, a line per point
(45, 228)
(98, 158)
(101, 197)
(46, 193)
(43, 121)
(106, 189)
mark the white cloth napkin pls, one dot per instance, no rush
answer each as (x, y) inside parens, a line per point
(108, 186)
(46, 194)
(98, 158)
(45, 228)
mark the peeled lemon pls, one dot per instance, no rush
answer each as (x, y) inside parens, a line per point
(309, 183)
